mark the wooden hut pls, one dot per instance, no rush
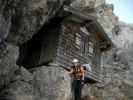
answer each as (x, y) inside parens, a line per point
(74, 34)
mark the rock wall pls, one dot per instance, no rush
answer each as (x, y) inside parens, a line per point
(21, 19)
(117, 65)
(90, 3)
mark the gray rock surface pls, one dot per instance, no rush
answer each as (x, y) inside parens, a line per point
(18, 90)
(45, 83)
(21, 19)
(52, 83)
(8, 64)
(19, 87)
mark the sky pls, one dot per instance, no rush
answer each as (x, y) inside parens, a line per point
(123, 9)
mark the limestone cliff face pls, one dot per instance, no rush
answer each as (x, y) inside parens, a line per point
(117, 64)
(90, 3)
(21, 19)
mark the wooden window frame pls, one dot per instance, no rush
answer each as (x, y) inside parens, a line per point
(78, 40)
(90, 49)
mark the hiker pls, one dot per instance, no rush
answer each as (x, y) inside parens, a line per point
(77, 71)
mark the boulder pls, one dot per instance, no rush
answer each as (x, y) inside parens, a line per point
(18, 90)
(8, 64)
(52, 83)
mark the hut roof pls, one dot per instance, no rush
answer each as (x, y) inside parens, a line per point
(88, 17)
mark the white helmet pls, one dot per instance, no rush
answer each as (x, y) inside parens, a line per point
(75, 60)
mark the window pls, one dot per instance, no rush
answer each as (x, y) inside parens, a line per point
(83, 42)
(78, 40)
(90, 48)
(84, 30)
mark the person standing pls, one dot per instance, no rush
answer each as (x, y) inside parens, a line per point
(77, 73)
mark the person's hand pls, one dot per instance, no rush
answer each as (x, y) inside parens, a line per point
(71, 71)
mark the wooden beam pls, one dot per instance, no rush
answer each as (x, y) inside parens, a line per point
(82, 15)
